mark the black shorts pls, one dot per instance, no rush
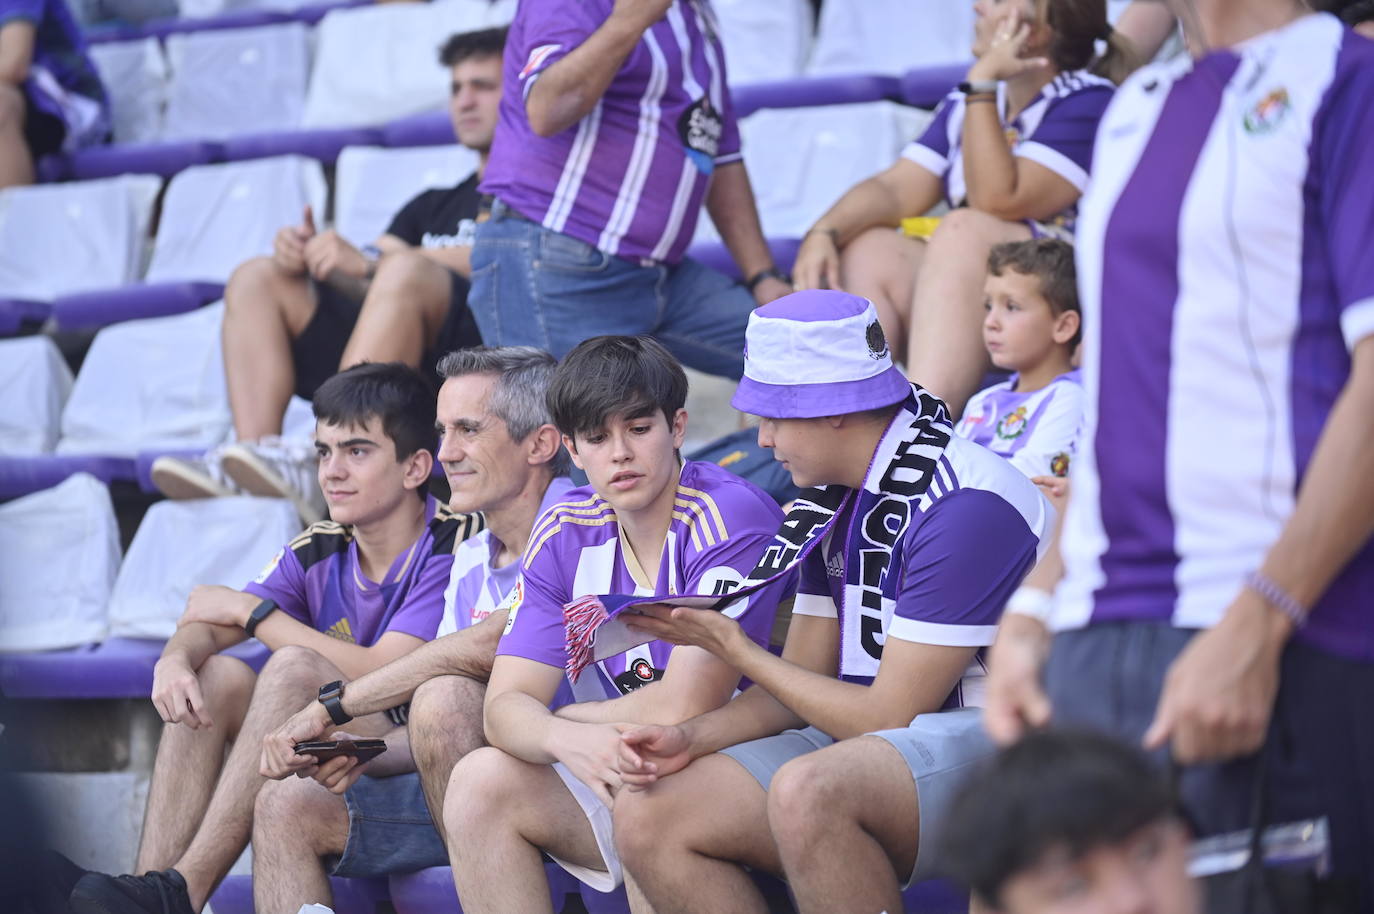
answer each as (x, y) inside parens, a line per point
(44, 133)
(320, 346)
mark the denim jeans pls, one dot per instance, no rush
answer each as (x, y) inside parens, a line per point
(535, 287)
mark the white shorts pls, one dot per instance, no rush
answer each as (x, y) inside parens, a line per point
(599, 817)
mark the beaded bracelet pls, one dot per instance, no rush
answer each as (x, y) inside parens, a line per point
(1277, 597)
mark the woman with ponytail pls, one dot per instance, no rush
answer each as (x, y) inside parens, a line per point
(1009, 151)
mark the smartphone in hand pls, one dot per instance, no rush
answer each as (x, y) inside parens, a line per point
(325, 749)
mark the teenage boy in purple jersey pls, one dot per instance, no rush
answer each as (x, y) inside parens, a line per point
(647, 524)
(1031, 328)
(341, 599)
(835, 766)
(1218, 563)
(615, 124)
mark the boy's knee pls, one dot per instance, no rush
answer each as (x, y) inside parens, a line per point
(297, 668)
(479, 788)
(446, 700)
(225, 679)
(250, 278)
(300, 808)
(801, 792)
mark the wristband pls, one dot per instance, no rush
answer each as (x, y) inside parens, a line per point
(331, 696)
(1031, 601)
(1277, 597)
(979, 87)
(260, 612)
(771, 273)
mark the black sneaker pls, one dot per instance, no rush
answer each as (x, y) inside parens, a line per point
(155, 892)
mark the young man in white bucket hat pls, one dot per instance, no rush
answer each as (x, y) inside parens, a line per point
(907, 553)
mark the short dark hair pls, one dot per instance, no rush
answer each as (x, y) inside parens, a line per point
(1352, 12)
(1069, 789)
(393, 392)
(467, 45)
(518, 399)
(1048, 260)
(607, 376)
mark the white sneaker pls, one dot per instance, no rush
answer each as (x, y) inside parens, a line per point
(278, 468)
(193, 477)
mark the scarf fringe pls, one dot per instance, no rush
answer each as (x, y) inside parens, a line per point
(581, 618)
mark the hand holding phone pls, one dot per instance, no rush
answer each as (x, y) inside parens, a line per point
(325, 749)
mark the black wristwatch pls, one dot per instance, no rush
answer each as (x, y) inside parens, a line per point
(752, 282)
(331, 696)
(260, 612)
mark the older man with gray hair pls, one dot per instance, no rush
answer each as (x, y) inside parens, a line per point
(502, 456)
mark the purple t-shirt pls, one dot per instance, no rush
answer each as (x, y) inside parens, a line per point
(1225, 274)
(721, 525)
(1037, 430)
(316, 580)
(976, 533)
(629, 178)
(1056, 130)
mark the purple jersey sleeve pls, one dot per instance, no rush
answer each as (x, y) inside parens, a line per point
(1341, 150)
(960, 566)
(534, 627)
(1063, 142)
(546, 31)
(931, 149)
(423, 607)
(283, 582)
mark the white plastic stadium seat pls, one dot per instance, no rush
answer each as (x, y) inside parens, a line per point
(890, 36)
(764, 41)
(181, 544)
(214, 217)
(373, 183)
(59, 552)
(62, 238)
(231, 81)
(156, 383)
(34, 385)
(379, 62)
(801, 160)
(135, 75)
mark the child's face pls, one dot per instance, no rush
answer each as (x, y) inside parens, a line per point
(631, 462)
(1020, 329)
(363, 482)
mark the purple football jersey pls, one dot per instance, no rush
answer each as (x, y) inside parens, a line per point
(721, 525)
(316, 579)
(629, 178)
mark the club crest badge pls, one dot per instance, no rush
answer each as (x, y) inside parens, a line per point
(1059, 464)
(1268, 113)
(1012, 425)
(877, 341)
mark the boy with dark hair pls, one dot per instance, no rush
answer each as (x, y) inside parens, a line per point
(647, 524)
(1068, 821)
(343, 598)
(1032, 328)
(319, 304)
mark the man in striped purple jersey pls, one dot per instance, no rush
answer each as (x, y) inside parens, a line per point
(1218, 563)
(615, 125)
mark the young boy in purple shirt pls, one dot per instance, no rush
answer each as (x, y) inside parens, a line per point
(835, 765)
(1032, 329)
(647, 524)
(341, 599)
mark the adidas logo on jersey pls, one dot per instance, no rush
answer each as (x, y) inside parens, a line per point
(341, 630)
(834, 566)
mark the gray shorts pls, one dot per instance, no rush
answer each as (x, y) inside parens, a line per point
(389, 829)
(939, 750)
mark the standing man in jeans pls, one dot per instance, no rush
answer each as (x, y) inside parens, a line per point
(615, 123)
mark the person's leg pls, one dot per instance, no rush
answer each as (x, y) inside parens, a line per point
(291, 678)
(188, 763)
(296, 823)
(445, 724)
(704, 313)
(502, 812)
(407, 302)
(944, 350)
(882, 264)
(16, 162)
(684, 838)
(264, 311)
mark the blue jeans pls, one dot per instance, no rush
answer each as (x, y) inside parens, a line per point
(535, 287)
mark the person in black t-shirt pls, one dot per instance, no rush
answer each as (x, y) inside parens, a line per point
(318, 304)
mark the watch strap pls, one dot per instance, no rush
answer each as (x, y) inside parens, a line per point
(752, 282)
(331, 696)
(260, 612)
(979, 87)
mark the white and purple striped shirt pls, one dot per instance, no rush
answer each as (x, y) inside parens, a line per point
(1037, 430)
(1055, 130)
(630, 177)
(1225, 271)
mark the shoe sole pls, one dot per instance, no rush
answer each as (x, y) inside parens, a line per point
(256, 477)
(178, 481)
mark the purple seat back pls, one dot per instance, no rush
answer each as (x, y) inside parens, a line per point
(115, 668)
(164, 159)
(18, 314)
(126, 303)
(351, 896)
(821, 90)
(24, 475)
(716, 255)
(433, 128)
(317, 144)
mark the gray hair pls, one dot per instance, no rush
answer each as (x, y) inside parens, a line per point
(523, 375)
